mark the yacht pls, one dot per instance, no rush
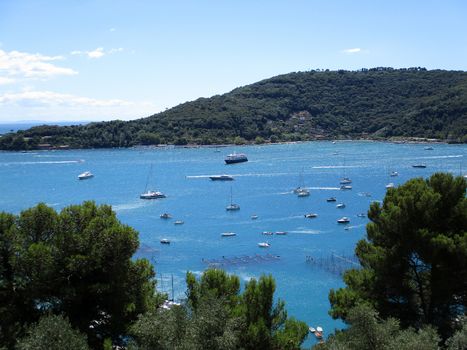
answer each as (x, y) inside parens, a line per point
(345, 181)
(179, 222)
(311, 215)
(343, 220)
(303, 193)
(232, 206)
(332, 199)
(264, 245)
(390, 185)
(340, 206)
(419, 165)
(151, 195)
(85, 175)
(228, 234)
(221, 178)
(236, 158)
(165, 216)
(165, 241)
(346, 187)
(267, 233)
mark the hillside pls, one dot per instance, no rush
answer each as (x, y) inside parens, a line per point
(378, 103)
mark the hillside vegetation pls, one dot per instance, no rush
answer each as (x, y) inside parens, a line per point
(376, 103)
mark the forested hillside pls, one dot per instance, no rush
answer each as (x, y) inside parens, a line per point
(376, 103)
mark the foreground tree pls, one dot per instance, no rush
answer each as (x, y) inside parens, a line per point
(414, 260)
(78, 263)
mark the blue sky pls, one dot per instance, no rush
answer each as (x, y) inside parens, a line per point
(114, 59)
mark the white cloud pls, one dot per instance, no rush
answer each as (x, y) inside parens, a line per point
(97, 53)
(353, 50)
(112, 30)
(5, 80)
(15, 63)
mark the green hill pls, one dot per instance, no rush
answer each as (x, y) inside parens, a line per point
(377, 103)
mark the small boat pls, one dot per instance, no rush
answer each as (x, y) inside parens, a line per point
(165, 241)
(346, 187)
(85, 175)
(345, 181)
(235, 158)
(151, 195)
(331, 199)
(179, 222)
(361, 215)
(264, 245)
(429, 148)
(232, 206)
(343, 220)
(390, 185)
(312, 329)
(311, 215)
(319, 329)
(165, 216)
(221, 178)
(254, 217)
(340, 206)
(394, 174)
(419, 166)
(303, 193)
(228, 234)
(319, 333)
(281, 233)
(267, 233)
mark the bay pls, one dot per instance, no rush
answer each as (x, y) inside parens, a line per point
(263, 186)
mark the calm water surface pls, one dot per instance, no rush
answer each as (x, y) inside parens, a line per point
(262, 186)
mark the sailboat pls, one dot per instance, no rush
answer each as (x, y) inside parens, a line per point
(232, 206)
(345, 180)
(150, 194)
(301, 190)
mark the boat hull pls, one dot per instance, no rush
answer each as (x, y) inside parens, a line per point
(233, 161)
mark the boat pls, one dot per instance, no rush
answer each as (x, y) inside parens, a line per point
(179, 222)
(346, 187)
(394, 174)
(345, 181)
(150, 194)
(361, 215)
(331, 199)
(319, 332)
(303, 193)
(221, 177)
(311, 215)
(281, 233)
(267, 233)
(232, 206)
(429, 148)
(235, 158)
(340, 206)
(264, 245)
(390, 185)
(301, 186)
(343, 220)
(228, 234)
(85, 175)
(312, 329)
(165, 241)
(165, 216)
(419, 166)
(254, 217)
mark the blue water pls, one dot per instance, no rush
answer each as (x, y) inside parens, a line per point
(262, 186)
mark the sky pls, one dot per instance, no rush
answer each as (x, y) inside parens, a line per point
(92, 60)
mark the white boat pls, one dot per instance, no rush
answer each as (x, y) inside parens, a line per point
(346, 187)
(303, 193)
(345, 181)
(179, 222)
(361, 215)
(319, 329)
(340, 206)
(390, 185)
(254, 217)
(343, 220)
(311, 215)
(235, 158)
(165, 216)
(394, 174)
(165, 241)
(264, 245)
(267, 233)
(301, 183)
(312, 329)
(228, 234)
(150, 194)
(85, 175)
(221, 177)
(232, 206)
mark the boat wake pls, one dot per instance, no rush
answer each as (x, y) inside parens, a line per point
(307, 232)
(325, 188)
(128, 206)
(44, 162)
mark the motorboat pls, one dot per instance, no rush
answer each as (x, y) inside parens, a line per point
(165, 241)
(346, 187)
(235, 158)
(165, 216)
(228, 234)
(267, 233)
(429, 148)
(345, 181)
(390, 185)
(179, 222)
(281, 233)
(319, 332)
(419, 166)
(311, 215)
(340, 206)
(85, 175)
(254, 217)
(151, 195)
(303, 193)
(264, 245)
(221, 177)
(361, 215)
(394, 174)
(343, 220)
(312, 329)
(331, 199)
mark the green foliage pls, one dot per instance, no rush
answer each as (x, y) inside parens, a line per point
(459, 339)
(375, 103)
(77, 263)
(414, 260)
(52, 333)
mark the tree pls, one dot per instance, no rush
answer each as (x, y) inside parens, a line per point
(52, 332)
(414, 260)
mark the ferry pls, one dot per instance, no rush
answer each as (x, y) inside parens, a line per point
(236, 158)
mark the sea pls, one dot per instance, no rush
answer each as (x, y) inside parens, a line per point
(306, 262)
